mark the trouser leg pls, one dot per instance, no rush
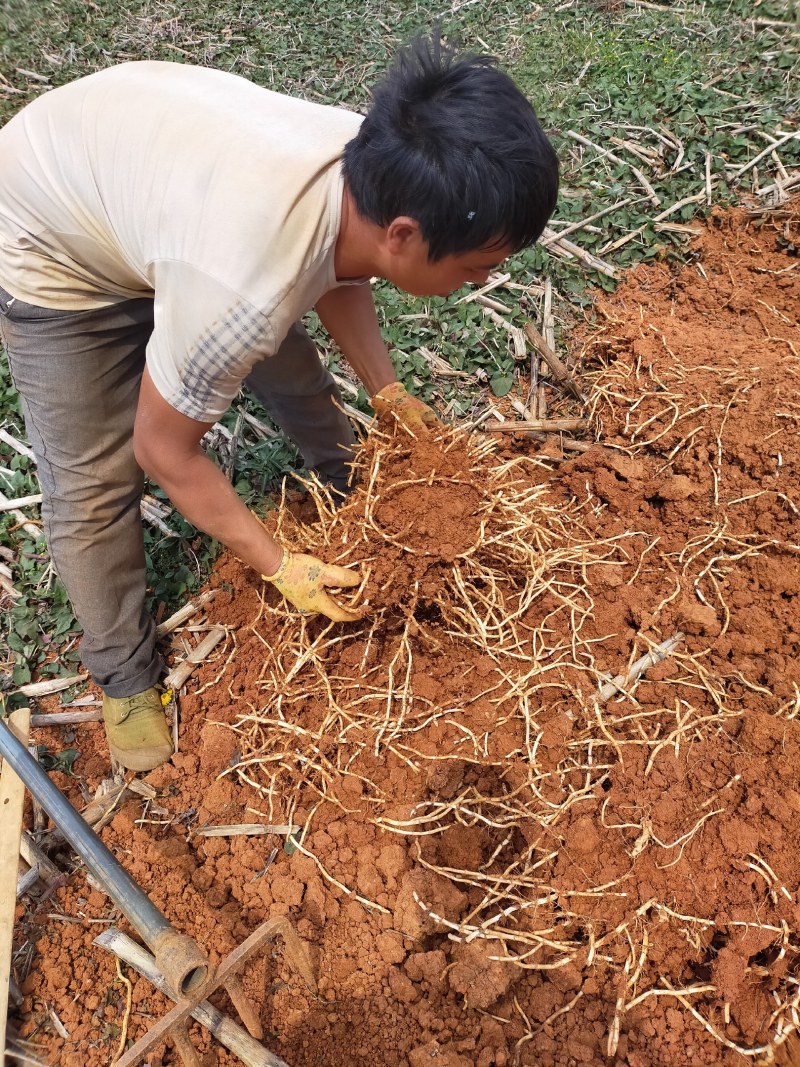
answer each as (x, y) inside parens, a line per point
(301, 396)
(78, 375)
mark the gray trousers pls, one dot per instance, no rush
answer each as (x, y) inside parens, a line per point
(78, 376)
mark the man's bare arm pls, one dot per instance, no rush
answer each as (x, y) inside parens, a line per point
(348, 314)
(167, 448)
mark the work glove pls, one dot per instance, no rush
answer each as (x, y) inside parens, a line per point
(303, 580)
(395, 401)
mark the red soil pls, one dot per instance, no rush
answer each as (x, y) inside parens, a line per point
(494, 810)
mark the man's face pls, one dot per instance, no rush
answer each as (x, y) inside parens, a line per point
(410, 269)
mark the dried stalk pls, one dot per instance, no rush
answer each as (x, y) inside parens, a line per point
(21, 502)
(622, 682)
(606, 153)
(181, 673)
(9, 586)
(574, 227)
(536, 425)
(557, 368)
(55, 685)
(613, 246)
(37, 860)
(246, 830)
(743, 169)
(66, 718)
(494, 283)
(18, 446)
(556, 243)
(19, 517)
(188, 611)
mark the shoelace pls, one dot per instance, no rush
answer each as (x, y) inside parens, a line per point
(133, 704)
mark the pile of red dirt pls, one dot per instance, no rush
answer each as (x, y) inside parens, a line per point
(498, 861)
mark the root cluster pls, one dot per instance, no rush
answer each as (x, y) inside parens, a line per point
(479, 677)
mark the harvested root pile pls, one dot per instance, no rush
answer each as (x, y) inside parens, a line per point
(458, 548)
(558, 805)
(462, 551)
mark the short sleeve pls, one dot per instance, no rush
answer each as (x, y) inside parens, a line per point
(205, 341)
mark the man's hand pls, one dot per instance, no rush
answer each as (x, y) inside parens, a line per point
(395, 401)
(303, 580)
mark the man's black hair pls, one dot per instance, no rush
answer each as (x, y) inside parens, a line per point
(451, 142)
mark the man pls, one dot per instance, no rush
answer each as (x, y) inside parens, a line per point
(163, 228)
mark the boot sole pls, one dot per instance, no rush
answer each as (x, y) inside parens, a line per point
(138, 760)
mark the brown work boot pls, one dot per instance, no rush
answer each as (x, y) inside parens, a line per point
(138, 734)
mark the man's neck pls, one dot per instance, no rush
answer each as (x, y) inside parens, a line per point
(357, 243)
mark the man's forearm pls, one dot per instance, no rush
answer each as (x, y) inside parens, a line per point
(348, 314)
(205, 497)
(166, 444)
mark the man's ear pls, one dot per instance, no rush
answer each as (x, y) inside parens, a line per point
(402, 233)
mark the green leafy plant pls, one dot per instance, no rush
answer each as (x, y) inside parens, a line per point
(57, 761)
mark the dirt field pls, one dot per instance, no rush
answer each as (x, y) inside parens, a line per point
(501, 863)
